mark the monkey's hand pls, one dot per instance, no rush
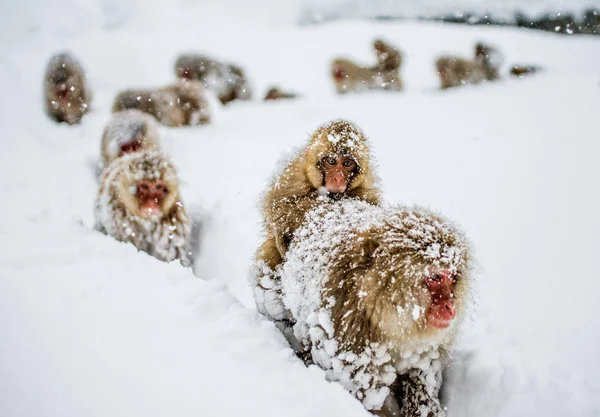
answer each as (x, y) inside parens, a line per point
(420, 394)
(266, 284)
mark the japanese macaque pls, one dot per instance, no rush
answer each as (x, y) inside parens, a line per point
(274, 93)
(128, 131)
(388, 57)
(227, 81)
(139, 202)
(181, 104)
(454, 72)
(349, 77)
(377, 295)
(521, 71)
(334, 164)
(67, 94)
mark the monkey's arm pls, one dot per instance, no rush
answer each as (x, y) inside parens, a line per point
(418, 393)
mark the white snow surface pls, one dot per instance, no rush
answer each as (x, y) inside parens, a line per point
(91, 327)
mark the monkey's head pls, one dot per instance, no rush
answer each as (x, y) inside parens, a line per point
(147, 185)
(489, 56)
(337, 158)
(421, 264)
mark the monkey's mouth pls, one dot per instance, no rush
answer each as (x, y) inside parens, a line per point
(441, 317)
(150, 208)
(336, 189)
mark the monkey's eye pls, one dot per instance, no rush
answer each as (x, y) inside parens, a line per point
(349, 163)
(330, 160)
(144, 186)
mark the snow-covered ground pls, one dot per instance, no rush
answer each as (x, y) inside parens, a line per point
(91, 327)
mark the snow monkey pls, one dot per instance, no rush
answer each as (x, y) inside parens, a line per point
(139, 202)
(180, 104)
(128, 131)
(227, 81)
(521, 71)
(377, 295)
(275, 93)
(66, 93)
(454, 71)
(388, 57)
(385, 75)
(335, 163)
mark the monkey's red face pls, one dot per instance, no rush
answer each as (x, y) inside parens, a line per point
(339, 73)
(337, 172)
(130, 147)
(63, 93)
(442, 310)
(151, 195)
(185, 73)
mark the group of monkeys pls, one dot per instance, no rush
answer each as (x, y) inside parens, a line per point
(67, 95)
(452, 71)
(371, 293)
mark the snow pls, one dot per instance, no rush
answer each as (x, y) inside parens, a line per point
(316, 10)
(91, 327)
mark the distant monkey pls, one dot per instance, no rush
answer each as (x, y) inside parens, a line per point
(181, 104)
(349, 77)
(139, 202)
(454, 72)
(66, 93)
(227, 81)
(128, 131)
(376, 296)
(521, 71)
(274, 93)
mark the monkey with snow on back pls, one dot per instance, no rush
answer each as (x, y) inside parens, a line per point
(334, 164)
(349, 77)
(227, 81)
(139, 202)
(181, 104)
(128, 131)
(454, 72)
(377, 295)
(66, 93)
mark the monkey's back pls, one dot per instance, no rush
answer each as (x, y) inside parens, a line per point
(349, 268)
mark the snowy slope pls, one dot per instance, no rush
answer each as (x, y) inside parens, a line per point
(91, 327)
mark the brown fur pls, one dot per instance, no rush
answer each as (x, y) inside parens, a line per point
(454, 72)
(275, 93)
(385, 75)
(388, 57)
(296, 191)
(118, 212)
(372, 273)
(64, 75)
(183, 103)
(126, 126)
(227, 81)
(523, 70)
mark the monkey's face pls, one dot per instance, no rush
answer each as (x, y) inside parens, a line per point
(184, 72)
(135, 145)
(441, 311)
(338, 170)
(151, 196)
(338, 72)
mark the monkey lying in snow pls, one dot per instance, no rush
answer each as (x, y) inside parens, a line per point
(139, 202)
(181, 104)
(377, 295)
(454, 72)
(385, 75)
(227, 81)
(128, 131)
(66, 93)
